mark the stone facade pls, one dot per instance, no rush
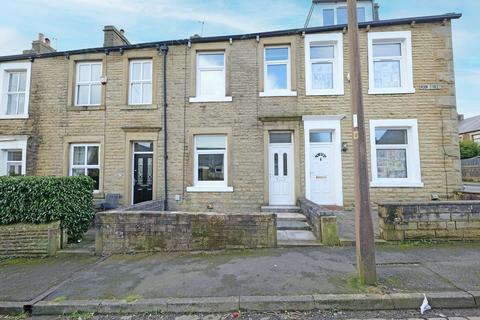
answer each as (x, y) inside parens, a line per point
(148, 231)
(30, 240)
(442, 220)
(54, 123)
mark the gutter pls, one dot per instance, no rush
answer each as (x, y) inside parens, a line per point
(287, 32)
(164, 50)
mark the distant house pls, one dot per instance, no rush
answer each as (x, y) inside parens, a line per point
(469, 129)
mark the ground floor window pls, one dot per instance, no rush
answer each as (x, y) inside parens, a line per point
(85, 159)
(395, 153)
(14, 162)
(476, 138)
(210, 169)
(13, 154)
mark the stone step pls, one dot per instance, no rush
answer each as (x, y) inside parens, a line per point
(293, 225)
(289, 216)
(293, 243)
(295, 235)
(277, 209)
(77, 251)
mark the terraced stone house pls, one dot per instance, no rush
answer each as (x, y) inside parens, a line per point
(233, 123)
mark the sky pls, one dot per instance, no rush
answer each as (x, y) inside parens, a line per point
(75, 24)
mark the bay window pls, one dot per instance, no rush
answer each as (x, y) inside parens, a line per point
(395, 153)
(390, 62)
(324, 64)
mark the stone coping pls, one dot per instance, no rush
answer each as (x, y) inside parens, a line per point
(428, 203)
(146, 212)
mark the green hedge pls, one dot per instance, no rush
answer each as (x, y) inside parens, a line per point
(28, 199)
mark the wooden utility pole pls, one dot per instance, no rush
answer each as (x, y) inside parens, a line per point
(365, 245)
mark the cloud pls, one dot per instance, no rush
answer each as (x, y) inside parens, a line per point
(12, 42)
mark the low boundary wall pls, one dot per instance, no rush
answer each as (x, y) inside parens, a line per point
(323, 222)
(30, 240)
(150, 231)
(436, 220)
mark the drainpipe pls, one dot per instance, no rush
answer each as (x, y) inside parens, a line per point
(164, 49)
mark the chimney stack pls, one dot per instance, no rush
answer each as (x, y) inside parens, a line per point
(41, 45)
(113, 37)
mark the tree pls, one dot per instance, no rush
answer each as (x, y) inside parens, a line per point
(469, 149)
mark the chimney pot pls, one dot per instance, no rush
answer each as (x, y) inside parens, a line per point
(41, 37)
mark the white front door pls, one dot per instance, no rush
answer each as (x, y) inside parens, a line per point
(280, 163)
(322, 167)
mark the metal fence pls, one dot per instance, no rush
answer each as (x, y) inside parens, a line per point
(472, 162)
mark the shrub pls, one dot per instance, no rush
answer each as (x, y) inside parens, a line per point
(28, 199)
(469, 149)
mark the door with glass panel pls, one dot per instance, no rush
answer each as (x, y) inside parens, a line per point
(280, 162)
(322, 167)
(142, 171)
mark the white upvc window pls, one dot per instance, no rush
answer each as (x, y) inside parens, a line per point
(13, 151)
(210, 164)
(15, 89)
(277, 72)
(395, 153)
(14, 162)
(390, 63)
(85, 159)
(210, 77)
(324, 64)
(140, 82)
(88, 87)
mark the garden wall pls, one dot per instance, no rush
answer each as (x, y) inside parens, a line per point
(322, 220)
(147, 231)
(447, 220)
(30, 240)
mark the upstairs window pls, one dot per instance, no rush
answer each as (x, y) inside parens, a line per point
(15, 88)
(390, 62)
(277, 71)
(88, 87)
(17, 82)
(341, 16)
(140, 82)
(324, 64)
(395, 153)
(85, 159)
(211, 75)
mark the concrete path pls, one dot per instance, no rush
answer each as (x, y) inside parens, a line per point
(346, 224)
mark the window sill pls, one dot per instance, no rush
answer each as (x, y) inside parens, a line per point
(278, 94)
(13, 117)
(396, 184)
(325, 92)
(209, 189)
(391, 90)
(86, 108)
(210, 99)
(139, 107)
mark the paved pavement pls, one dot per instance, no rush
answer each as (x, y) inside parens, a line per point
(292, 271)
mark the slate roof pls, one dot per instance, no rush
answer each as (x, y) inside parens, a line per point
(469, 125)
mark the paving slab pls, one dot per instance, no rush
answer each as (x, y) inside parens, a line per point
(25, 279)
